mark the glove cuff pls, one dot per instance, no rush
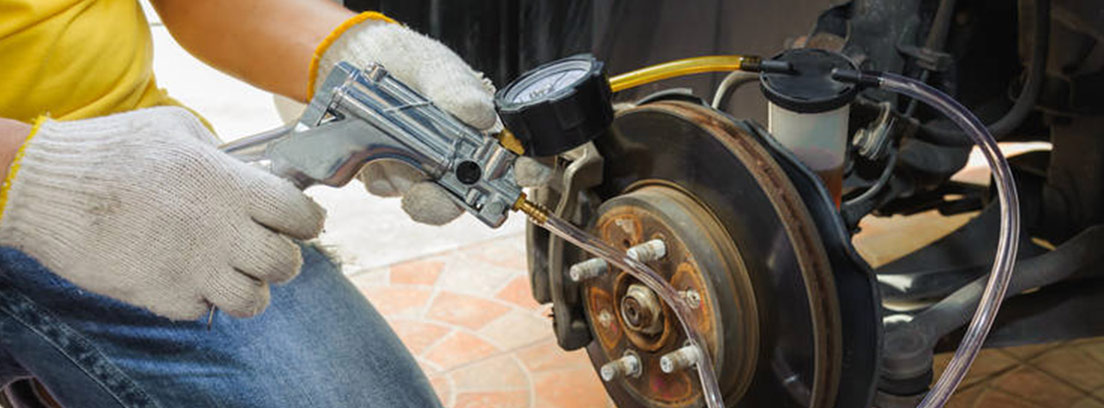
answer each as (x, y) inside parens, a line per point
(16, 164)
(316, 59)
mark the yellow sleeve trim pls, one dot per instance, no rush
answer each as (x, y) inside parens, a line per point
(312, 76)
(14, 168)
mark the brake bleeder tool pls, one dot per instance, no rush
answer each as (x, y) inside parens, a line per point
(361, 115)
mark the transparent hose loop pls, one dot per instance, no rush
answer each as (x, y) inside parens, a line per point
(1009, 230)
(711, 392)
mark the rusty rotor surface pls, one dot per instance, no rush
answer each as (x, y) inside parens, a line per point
(695, 242)
(738, 234)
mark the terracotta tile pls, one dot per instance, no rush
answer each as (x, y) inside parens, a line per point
(939, 363)
(1090, 340)
(504, 253)
(495, 373)
(442, 385)
(547, 355)
(569, 389)
(992, 398)
(1034, 385)
(418, 335)
(1088, 402)
(988, 364)
(474, 277)
(1094, 349)
(463, 310)
(965, 397)
(417, 272)
(398, 302)
(1072, 365)
(1029, 351)
(459, 348)
(516, 329)
(519, 293)
(494, 399)
(885, 239)
(366, 278)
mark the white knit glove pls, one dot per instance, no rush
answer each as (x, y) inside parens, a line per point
(434, 71)
(142, 207)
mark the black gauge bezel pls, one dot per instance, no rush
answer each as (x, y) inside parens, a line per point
(568, 116)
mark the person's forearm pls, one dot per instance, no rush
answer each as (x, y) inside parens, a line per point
(268, 43)
(12, 135)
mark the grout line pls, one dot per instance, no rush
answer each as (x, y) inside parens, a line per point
(426, 256)
(452, 391)
(500, 353)
(436, 342)
(528, 379)
(436, 367)
(1014, 396)
(491, 388)
(1061, 380)
(993, 376)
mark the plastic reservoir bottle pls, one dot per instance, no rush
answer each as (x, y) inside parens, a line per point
(808, 111)
(819, 140)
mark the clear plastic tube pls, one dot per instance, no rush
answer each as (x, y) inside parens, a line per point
(686, 66)
(1007, 245)
(711, 392)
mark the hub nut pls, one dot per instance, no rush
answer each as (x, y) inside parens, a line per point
(626, 366)
(641, 310)
(588, 269)
(680, 359)
(649, 251)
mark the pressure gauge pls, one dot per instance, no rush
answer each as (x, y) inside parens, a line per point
(557, 106)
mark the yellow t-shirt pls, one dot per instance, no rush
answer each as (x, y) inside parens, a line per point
(74, 59)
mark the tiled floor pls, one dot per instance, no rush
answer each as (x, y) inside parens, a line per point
(1060, 375)
(469, 319)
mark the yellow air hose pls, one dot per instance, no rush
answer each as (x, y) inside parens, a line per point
(686, 66)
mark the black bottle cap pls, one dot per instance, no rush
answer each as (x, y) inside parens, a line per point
(809, 86)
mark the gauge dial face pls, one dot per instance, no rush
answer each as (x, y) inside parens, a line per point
(549, 82)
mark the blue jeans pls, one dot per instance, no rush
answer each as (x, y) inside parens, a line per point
(319, 344)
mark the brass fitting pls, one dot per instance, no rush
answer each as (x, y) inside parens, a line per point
(535, 212)
(507, 139)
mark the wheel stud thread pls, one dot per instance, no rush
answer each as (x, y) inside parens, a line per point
(680, 359)
(626, 366)
(588, 269)
(649, 251)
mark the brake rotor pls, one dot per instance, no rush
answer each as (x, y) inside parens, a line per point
(739, 236)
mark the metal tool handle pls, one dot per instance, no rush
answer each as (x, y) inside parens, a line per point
(251, 149)
(359, 116)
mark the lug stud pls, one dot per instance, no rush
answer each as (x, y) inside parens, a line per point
(626, 366)
(588, 269)
(649, 251)
(680, 359)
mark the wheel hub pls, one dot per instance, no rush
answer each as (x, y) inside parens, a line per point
(697, 261)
